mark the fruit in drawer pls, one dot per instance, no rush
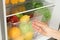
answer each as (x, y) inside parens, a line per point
(19, 38)
(14, 32)
(14, 1)
(13, 19)
(27, 30)
(25, 18)
(21, 1)
(8, 19)
(24, 27)
(31, 15)
(6, 2)
(28, 36)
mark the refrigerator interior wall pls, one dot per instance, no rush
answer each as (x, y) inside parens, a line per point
(50, 1)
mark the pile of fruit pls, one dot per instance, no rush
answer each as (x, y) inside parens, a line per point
(22, 32)
(19, 17)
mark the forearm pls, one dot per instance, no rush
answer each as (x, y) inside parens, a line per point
(55, 34)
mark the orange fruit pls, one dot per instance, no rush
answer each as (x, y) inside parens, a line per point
(6, 2)
(14, 32)
(14, 1)
(21, 1)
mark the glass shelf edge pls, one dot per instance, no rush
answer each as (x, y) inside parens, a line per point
(31, 10)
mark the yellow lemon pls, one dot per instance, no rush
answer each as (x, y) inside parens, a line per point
(29, 36)
(25, 18)
(14, 32)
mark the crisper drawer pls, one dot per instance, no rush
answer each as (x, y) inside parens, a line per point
(19, 27)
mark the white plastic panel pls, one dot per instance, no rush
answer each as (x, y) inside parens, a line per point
(55, 20)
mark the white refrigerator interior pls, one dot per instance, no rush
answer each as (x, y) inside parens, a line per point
(54, 22)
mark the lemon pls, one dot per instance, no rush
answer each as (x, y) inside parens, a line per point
(14, 32)
(25, 18)
(29, 36)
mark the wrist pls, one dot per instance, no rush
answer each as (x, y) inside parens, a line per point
(49, 31)
(54, 33)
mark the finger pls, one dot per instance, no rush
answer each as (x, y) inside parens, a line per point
(35, 26)
(39, 30)
(37, 23)
(40, 24)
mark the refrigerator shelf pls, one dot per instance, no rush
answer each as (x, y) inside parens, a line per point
(51, 5)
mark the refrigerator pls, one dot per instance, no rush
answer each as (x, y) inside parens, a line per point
(16, 17)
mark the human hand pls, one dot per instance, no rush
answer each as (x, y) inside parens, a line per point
(45, 30)
(41, 27)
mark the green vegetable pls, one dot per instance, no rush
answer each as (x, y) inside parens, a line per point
(26, 27)
(33, 4)
(29, 6)
(46, 14)
(37, 4)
